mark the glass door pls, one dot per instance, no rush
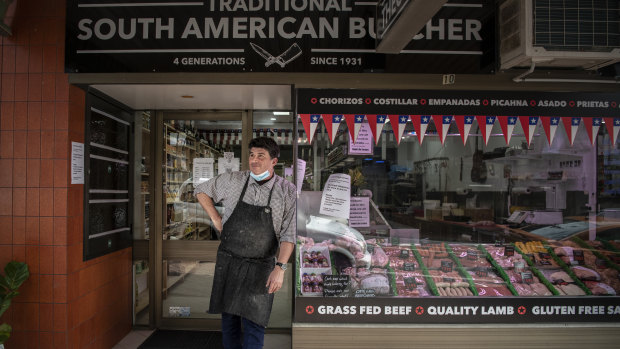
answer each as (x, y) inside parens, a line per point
(193, 147)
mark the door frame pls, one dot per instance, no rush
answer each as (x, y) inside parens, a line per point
(183, 250)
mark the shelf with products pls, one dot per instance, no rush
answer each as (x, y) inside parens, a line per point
(185, 219)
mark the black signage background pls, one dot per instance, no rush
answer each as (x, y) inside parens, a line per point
(460, 37)
(456, 310)
(451, 102)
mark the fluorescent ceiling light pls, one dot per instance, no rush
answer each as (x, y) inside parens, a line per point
(273, 119)
(281, 113)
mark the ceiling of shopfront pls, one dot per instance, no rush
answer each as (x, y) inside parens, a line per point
(199, 97)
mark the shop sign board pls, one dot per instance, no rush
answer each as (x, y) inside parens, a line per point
(442, 102)
(270, 36)
(457, 310)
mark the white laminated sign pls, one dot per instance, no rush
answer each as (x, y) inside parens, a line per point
(336, 198)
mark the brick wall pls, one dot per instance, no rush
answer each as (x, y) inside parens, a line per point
(66, 303)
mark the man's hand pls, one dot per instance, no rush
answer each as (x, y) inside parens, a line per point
(276, 278)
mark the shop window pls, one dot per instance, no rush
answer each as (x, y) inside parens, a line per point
(431, 214)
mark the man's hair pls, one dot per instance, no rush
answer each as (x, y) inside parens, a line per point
(266, 143)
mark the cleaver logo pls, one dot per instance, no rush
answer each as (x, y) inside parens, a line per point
(283, 59)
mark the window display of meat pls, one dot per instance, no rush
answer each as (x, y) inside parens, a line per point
(401, 276)
(451, 279)
(433, 250)
(600, 289)
(570, 290)
(454, 291)
(490, 277)
(584, 273)
(493, 290)
(540, 289)
(404, 264)
(524, 289)
(405, 292)
(517, 277)
(469, 256)
(506, 262)
(529, 290)
(611, 277)
(379, 283)
(312, 283)
(437, 263)
(401, 258)
(557, 276)
(411, 284)
(378, 256)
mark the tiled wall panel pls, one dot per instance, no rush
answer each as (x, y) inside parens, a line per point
(66, 303)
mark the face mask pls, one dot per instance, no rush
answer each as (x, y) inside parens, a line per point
(261, 176)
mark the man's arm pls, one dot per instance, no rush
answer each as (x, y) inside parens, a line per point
(207, 205)
(276, 278)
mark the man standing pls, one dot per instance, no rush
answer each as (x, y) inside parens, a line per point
(259, 217)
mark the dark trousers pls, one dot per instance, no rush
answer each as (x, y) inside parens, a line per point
(252, 335)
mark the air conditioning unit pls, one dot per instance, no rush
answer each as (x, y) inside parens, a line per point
(569, 33)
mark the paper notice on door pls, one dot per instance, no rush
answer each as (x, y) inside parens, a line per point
(77, 163)
(227, 164)
(363, 143)
(203, 170)
(336, 198)
(359, 212)
(301, 174)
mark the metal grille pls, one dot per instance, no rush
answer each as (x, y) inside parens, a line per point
(577, 25)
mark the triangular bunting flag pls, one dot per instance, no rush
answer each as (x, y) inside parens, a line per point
(310, 122)
(442, 123)
(528, 123)
(332, 122)
(464, 122)
(550, 125)
(485, 123)
(420, 124)
(613, 126)
(398, 122)
(592, 125)
(354, 122)
(507, 124)
(376, 123)
(571, 125)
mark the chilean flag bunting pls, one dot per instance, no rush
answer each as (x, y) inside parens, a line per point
(420, 124)
(310, 122)
(485, 123)
(613, 126)
(442, 123)
(508, 125)
(332, 122)
(464, 122)
(571, 125)
(376, 123)
(398, 122)
(354, 123)
(550, 125)
(528, 123)
(592, 125)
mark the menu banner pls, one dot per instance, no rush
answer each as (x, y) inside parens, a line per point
(457, 310)
(270, 36)
(443, 102)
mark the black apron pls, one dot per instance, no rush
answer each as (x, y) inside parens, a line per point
(245, 259)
